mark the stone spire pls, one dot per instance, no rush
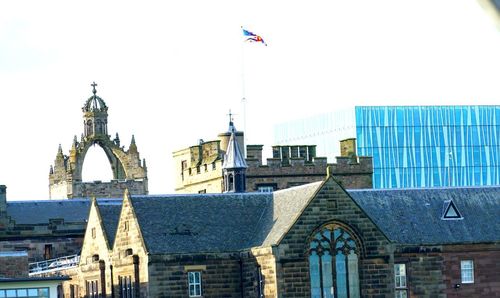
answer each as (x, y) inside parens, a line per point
(233, 159)
(133, 147)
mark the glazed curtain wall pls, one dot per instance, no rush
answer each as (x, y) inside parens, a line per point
(425, 146)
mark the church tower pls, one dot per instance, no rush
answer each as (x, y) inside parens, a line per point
(129, 172)
(234, 166)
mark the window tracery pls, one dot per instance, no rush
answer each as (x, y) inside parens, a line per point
(333, 263)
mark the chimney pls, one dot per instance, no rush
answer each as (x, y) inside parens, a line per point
(348, 147)
(255, 152)
(3, 200)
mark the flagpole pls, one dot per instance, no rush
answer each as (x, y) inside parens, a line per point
(243, 98)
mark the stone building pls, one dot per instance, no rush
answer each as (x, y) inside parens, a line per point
(314, 240)
(65, 178)
(199, 168)
(43, 229)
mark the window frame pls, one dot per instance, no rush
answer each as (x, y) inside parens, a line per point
(463, 270)
(398, 288)
(260, 283)
(350, 246)
(194, 284)
(45, 292)
(259, 187)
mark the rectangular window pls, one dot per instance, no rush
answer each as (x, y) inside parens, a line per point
(92, 289)
(21, 293)
(47, 254)
(265, 189)
(194, 279)
(126, 286)
(467, 271)
(260, 283)
(400, 280)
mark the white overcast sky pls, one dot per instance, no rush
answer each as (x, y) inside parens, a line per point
(171, 70)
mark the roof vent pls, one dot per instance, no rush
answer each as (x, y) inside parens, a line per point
(450, 211)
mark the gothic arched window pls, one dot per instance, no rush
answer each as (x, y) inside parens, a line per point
(89, 127)
(333, 263)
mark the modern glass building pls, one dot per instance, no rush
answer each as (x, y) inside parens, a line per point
(417, 146)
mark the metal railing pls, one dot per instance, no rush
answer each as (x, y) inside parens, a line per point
(53, 265)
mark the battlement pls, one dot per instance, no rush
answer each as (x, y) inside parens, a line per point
(111, 189)
(198, 168)
(293, 165)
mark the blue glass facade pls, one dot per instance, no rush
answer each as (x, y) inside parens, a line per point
(425, 146)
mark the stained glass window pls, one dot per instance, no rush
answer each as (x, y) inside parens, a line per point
(333, 264)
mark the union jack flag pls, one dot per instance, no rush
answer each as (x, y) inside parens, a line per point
(252, 37)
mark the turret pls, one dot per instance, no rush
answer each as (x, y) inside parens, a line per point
(225, 136)
(234, 166)
(95, 115)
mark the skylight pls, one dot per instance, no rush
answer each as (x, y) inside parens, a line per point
(450, 211)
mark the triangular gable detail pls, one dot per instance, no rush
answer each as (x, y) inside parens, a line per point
(450, 211)
(127, 219)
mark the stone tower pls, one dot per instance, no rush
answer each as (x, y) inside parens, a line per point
(65, 178)
(234, 166)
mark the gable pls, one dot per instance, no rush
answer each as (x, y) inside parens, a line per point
(128, 236)
(95, 241)
(332, 204)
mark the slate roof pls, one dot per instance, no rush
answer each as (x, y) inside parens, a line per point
(198, 223)
(218, 222)
(110, 215)
(282, 212)
(41, 211)
(413, 216)
(233, 159)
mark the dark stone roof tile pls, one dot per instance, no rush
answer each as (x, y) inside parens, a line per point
(413, 216)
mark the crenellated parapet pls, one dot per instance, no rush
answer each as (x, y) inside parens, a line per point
(65, 177)
(293, 165)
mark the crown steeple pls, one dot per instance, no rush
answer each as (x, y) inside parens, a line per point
(95, 115)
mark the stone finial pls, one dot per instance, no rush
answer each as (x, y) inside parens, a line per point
(93, 88)
(133, 146)
(144, 163)
(328, 171)
(59, 151)
(51, 171)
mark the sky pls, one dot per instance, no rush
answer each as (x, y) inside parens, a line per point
(170, 71)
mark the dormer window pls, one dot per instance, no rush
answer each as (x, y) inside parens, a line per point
(450, 211)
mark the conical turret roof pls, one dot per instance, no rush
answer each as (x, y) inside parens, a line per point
(234, 159)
